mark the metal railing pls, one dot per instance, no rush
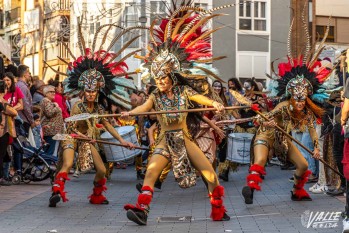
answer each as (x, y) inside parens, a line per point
(51, 6)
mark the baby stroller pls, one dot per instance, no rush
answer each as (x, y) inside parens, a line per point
(36, 165)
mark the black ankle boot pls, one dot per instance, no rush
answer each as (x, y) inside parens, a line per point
(295, 198)
(140, 175)
(139, 187)
(247, 193)
(158, 184)
(226, 217)
(138, 216)
(54, 199)
(224, 175)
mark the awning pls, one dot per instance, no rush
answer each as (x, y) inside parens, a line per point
(5, 50)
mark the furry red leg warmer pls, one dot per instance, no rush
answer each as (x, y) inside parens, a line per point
(58, 186)
(254, 178)
(143, 201)
(97, 196)
(299, 191)
(216, 200)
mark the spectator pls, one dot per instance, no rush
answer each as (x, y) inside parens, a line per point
(38, 94)
(13, 95)
(59, 97)
(37, 131)
(5, 111)
(218, 88)
(143, 96)
(235, 85)
(25, 114)
(52, 120)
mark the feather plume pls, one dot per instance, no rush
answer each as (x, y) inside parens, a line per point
(210, 73)
(69, 51)
(56, 71)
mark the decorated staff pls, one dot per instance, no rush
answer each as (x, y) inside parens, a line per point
(64, 137)
(98, 77)
(85, 116)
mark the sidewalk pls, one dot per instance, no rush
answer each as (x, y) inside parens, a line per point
(272, 211)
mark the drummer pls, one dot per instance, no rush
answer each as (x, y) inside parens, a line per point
(133, 121)
(250, 86)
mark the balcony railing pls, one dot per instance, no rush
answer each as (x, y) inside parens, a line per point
(12, 16)
(51, 6)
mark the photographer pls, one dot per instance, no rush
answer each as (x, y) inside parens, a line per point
(6, 111)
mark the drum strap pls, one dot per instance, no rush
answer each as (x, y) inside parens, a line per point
(261, 142)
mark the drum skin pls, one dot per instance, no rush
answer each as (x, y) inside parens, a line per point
(239, 145)
(118, 153)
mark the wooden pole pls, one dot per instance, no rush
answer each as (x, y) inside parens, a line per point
(173, 111)
(110, 143)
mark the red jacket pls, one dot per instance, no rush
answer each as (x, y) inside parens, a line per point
(61, 101)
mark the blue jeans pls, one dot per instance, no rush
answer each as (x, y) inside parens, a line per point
(17, 160)
(6, 170)
(51, 149)
(306, 140)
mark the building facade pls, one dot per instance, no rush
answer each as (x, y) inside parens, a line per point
(255, 34)
(338, 36)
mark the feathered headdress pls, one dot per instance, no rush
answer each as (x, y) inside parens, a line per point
(181, 44)
(96, 69)
(304, 76)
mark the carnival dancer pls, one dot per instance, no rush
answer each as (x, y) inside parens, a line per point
(300, 85)
(181, 44)
(99, 78)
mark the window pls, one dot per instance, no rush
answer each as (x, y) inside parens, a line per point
(201, 5)
(131, 16)
(321, 30)
(30, 5)
(253, 15)
(92, 25)
(252, 64)
(157, 10)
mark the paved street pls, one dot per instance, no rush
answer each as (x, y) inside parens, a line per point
(26, 207)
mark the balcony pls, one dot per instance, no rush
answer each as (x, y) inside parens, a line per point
(56, 7)
(13, 16)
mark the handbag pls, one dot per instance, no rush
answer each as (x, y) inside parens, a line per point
(11, 126)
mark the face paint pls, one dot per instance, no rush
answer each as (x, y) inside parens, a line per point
(247, 86)
(217, 87)
(90, 96)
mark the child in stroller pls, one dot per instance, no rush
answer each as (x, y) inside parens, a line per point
(35, 165)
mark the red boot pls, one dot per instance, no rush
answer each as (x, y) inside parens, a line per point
(97, 196)
(139, 212)
(299, 193)
(253, 181)
(58, 189)
(218, 212)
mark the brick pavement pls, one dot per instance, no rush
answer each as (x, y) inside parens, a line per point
(273, 211)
